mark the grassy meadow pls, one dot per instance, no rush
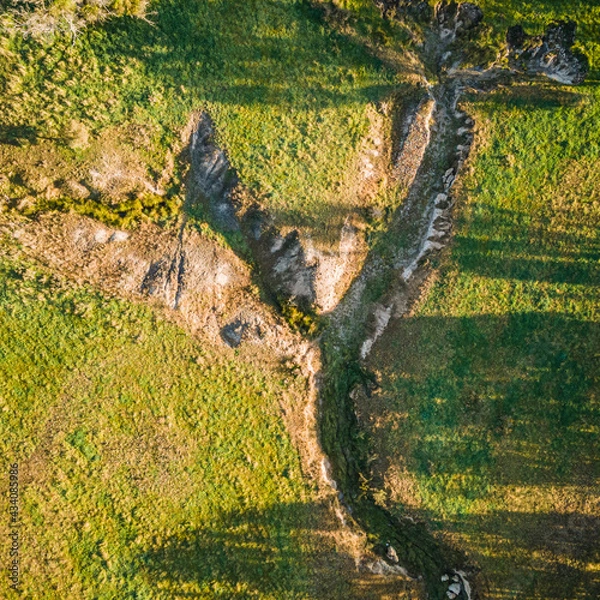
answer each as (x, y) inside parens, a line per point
(487, 419)
(154, 465)
(151, 465)
(288, 95)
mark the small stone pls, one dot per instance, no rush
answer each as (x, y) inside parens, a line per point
(77, 190)
(233, 333)
(102, 236)
(455, 588)
(391, 554)
(119, 236)
(451, 595)
(440, 198)
(445, 578)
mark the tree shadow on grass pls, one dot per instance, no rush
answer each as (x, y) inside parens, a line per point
(234, 52)
(509, 246)
(277, 552)
(478, 408)
(554, 552)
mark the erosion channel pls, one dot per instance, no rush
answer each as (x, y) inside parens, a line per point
(435, 142)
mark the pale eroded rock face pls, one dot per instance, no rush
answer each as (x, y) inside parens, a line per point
(455, 19)
(211, 175)
(201, 285)
(292, 268)
(550, 54)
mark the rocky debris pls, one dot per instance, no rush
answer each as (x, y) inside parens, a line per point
(439, 224)
(233, 333)
(415, 139)
(284, 265)
(419, 10)
(458, 586)
(294, 269)
(291, 272)
(379, 321)
(551, 54)
(381, 567)
(211, 175)
(457, 19)
(454, 589)
(391, 554)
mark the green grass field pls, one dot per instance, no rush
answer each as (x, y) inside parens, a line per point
(489, 405)
(151, 465)
(288, 95)
(154, 465)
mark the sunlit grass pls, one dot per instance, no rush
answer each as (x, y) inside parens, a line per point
(135, 442)
(288, 95)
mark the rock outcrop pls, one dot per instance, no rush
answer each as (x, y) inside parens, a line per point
(419, 10)
(457, 19)
(212, 179)
(551, 54)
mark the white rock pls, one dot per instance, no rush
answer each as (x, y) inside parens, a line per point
(277, 244)
(102, 236)
(455, 588)
(119, 236)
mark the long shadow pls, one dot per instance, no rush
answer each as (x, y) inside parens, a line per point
(551, 553)
(492, 404)
(273, 552)
(223, 52)
(509, 246)
(245, 553)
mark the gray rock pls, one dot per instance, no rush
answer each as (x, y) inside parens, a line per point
(458, 18)
(233, 333)
(391, 554)
(468, 16)
(212, 179)
(550, 54)
(119, 236)
(419, 10)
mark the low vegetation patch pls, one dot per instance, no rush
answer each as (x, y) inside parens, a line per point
(151, 465)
